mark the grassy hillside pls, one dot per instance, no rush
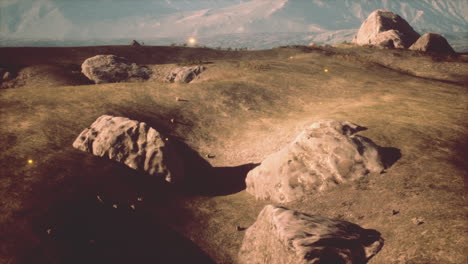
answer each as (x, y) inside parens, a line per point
(244, 107)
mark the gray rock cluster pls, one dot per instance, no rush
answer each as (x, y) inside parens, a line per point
(283, 236)
(111, 69)
(325, 154)
(184, 74)
(134, 144)
(388, 30)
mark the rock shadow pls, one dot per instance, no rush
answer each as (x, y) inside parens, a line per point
(104, 212)
(389, 156)
(204, 179)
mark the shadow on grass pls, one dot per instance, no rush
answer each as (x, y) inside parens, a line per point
(94, 210)
(389, 156)
(203, 179)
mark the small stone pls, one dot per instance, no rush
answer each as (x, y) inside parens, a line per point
(210, 156)
(49, 231)
(99, 199)
(172, 120)
(417, 220)
(132, 206)
(140, 199)
(394, 212)
(115, 206)
(239, 228)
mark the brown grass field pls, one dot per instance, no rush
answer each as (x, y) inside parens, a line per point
(247, 105)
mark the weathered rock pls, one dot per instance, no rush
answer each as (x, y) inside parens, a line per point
(135, 43)
(184, 74)
(7, 76)
(383, 25)
(110, 68)
(325, 154)
(432, 42)
(283, 236)
(134, 144)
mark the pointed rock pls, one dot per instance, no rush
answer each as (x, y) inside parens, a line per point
(382, 26)
(432, 42)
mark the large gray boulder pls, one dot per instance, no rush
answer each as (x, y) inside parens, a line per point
(134, 144)
(184, 74)
(434, 43)
(325, 154)
(283, 236)
(111, 69)
(382, 26)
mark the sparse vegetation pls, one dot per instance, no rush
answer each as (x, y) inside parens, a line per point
(247, 106)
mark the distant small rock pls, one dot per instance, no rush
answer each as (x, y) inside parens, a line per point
(325, 154)
(434, 43)
(283, 236)
(135, 43)
(111, 69)
(7, 76)
(184, 74)
(134, 144)
(383, 25)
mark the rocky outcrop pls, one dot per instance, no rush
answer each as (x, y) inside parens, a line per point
(325, 154)
(382, 26)
(184, 74)
(283, 236)
(134, 144)
(434, 43)
(110, 69)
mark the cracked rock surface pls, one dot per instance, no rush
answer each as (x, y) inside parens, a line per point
(325, 154)
(132, 143)
(283, 236)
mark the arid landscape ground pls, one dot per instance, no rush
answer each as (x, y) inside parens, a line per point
(61, 205)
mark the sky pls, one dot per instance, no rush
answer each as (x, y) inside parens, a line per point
(149, 19)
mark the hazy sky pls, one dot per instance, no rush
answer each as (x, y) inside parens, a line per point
(87, 19)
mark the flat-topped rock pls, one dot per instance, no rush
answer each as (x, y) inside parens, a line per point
(325, 154)
(134, 144)
(111, 69)
(184, 74)
(283, 236)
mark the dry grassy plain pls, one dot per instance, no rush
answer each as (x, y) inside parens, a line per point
(245, 106)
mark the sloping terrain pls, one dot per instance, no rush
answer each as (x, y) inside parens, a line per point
(60, 205)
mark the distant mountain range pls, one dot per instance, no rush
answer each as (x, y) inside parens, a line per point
(255, 24)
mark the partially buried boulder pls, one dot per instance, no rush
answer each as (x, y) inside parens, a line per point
(325, 154)
(134, 144)
(434, 43)
(184, 74)
(382, 26)
(283, 236)
(110, 69)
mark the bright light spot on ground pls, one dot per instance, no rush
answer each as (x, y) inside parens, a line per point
(325, 70)
(167, 139)
(30, 161)
(192, 41)
(291, 57)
